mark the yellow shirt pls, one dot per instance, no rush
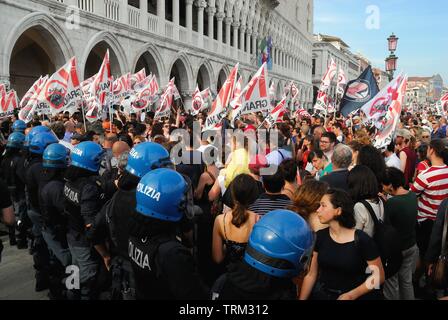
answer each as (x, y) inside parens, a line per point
(239, 164)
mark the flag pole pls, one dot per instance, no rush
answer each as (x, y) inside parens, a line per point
(84, 117)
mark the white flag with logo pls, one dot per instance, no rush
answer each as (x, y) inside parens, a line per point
(219, 107)
(276, 114)
(254, 97)
(8, 102)
(62, 92)
(27, 112)
(342, 82)
(329, 75)
(390, 122)
(376, 109)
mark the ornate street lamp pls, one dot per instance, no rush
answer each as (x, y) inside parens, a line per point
(393, 41)
(391, 61)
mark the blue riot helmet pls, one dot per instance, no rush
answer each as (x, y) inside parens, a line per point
(41, 141)
(87, 155)
(19, 126)
(35, 131)
(280, 244)
(15, 140)
(55, 156)
(147, 156)
(162, 195)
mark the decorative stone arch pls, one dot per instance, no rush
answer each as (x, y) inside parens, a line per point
(181, 69)
(205, 74)
(222, 75)
(278, 91)
(149, 57)
(44, 32)
(118, 61)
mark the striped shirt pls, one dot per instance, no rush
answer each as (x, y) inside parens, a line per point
(268, 202)
(432, 187)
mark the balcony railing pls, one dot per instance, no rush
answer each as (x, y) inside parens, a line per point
(120, 11)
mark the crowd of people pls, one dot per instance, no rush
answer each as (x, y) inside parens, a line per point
(336, 218)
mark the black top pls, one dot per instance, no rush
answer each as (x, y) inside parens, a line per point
(33, 177)
(234, 250)
(116, 227)
(337, 179)
(343, 266)
(268, 202)
(5, 200)
(191, 166)
(164, 270)
(242, 282)
(52, 203)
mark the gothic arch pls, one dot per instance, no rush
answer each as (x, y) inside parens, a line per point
(118, 59)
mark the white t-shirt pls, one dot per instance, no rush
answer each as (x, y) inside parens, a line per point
(278, 156)
(363, 219)
(393, 161)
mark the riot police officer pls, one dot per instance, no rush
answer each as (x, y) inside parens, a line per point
(163, 267)
(16, 187)
(33, 177)
(84, 198)
(19, 126)
(280, 247)
(54, 231)
(24, 223)
(113, 221)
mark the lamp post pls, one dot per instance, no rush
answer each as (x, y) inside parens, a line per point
(391, 61)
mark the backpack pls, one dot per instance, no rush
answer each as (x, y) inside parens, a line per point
(388, 242)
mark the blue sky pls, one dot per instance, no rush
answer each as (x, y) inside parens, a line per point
(422, 27)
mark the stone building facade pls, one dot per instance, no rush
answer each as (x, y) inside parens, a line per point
(198, 41)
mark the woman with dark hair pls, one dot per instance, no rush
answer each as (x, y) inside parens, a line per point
(355, 146)
(341, 255)
(363, 187)
(232, 229)
(306, 201)
(371, 157)
(307, 145)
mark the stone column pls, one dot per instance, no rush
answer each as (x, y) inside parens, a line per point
(201, 6)
(175, 12)
(211, 14)
(143, 6)
(248, 33)
(236, 26)
(189, 4)
(254, 43)
(242, 38)
(160, 9)
(228, 22)
(220, 18)
(123, 10)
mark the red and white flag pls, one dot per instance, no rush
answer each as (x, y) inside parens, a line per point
(144, 83)
(206, 99)
(27, 112)
(442, 106)
(276, 114)
(321, 102)
(8, 102)
(329, 75)
(342, 82)
(302, 113)
(62, 91)
(219, 107)
(166, 101)
(390, 122)
(99, 90)
(197, 102)
(85, 85)
(121, 88)
(254, 97)
(294, 91)
(26, 98)
(376, 109)
(2, 90)
(137, 77)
